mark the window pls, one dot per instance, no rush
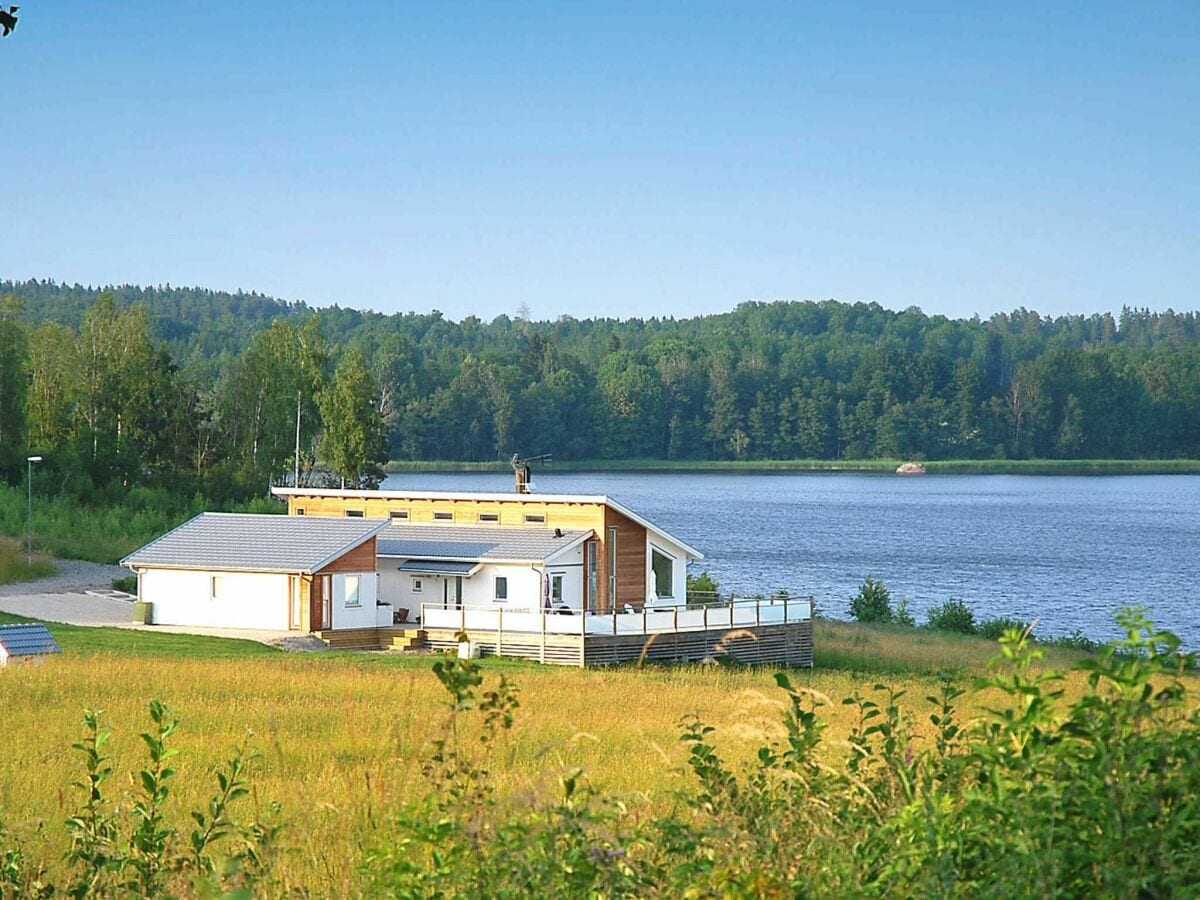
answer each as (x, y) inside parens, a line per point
(416, 588)
(556, 584)
(501, 587)
(442, 516)
(611, 550)
(489, 517)
(354, 514)
(216, 587)
(350, 583)
(534, 518)
(664, 573)
(398, 514)
(299, 510)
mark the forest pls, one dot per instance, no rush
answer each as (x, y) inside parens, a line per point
(200, 391)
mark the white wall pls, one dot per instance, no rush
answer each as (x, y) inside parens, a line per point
(569, 564)
(362, 615)
(678, 570)
(524, 586)
(247, 599)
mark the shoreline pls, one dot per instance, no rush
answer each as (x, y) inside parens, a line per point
(868, 466)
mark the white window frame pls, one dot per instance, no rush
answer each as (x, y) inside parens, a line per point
(557, 580)
(417, 586)
(346, 593)
(673, 561)
(497, 581)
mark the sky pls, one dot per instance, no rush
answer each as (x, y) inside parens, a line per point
(609, 159)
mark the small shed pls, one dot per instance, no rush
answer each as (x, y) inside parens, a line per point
(24, 643)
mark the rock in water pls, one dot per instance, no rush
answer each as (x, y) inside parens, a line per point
(911, 468)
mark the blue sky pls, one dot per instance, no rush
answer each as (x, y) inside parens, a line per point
(609, 159)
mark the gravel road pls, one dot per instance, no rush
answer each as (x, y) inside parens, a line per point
(74, 576)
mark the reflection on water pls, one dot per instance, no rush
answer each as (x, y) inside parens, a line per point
(1067, 551)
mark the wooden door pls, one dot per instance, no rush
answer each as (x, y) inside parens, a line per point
(320, 604)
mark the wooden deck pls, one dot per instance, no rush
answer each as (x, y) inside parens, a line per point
(759, 632)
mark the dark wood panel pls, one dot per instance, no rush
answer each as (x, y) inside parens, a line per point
(360, 559)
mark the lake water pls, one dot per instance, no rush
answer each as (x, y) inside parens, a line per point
(1068, 551)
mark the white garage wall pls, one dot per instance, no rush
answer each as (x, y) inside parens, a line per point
(247, 599)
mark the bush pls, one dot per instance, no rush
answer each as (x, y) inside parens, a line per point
(873, 603)
(953, 615)
(128, 584)
(1076, 640)
(993, 629)
(702, 588)
(902, 615)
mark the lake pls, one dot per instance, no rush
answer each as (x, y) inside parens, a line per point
(1067, 551)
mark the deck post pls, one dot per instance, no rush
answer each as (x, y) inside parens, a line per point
(706, 617)
(785, 609)
(542, 656)
(500, 633)
(676, 621)
(614, 620)
(462, 618)
(758, 612)
(644, 631)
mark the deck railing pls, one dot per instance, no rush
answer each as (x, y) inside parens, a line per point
(735, 613)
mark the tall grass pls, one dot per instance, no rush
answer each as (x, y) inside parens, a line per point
(63, 527)
(15, 565)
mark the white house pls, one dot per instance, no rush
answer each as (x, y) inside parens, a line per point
(481, 566)
(232, 570)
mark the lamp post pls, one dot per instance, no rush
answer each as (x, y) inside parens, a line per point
(30, 460)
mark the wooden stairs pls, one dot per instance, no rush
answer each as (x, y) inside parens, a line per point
(401, 639)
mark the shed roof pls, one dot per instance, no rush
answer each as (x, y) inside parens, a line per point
(245, 542)
(27, 640)
(476, 544)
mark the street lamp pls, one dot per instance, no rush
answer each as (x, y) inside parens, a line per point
(29, 534)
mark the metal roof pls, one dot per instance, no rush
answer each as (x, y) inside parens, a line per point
(601, 499)
(433, 567)
(475, 544)
(27, 640)
(245, 542)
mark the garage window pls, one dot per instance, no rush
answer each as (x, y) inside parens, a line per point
(351, 587)
(501, 587)
(216, 587)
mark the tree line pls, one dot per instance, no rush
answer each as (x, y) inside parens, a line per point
(165, 383)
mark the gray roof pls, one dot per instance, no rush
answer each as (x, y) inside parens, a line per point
(474, 543)
(433, 567)
(27, 640)
(243, 542)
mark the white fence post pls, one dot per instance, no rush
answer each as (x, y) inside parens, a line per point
(500, 632)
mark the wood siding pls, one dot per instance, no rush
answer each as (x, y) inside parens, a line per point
(360, 559)
(567, 516)
(631, 562)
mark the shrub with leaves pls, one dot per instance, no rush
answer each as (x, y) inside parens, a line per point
(993, 629)
(873, 603)
(953, 615)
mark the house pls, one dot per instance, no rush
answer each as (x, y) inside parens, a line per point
(233, 570)
(589, 550)
(26, 643)
(473, 565)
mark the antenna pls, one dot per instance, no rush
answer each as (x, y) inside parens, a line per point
(521, 470)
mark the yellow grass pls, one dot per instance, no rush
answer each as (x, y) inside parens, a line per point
(342, 736)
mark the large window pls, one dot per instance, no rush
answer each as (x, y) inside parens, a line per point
(664, 573)
(501, 587)
(351, 588)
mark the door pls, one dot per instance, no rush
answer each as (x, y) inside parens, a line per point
(320, 607)
(294, 602)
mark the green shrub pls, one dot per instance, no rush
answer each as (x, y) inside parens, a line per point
(703, 588)
(994, 629)
(902, 615)
(873, 602)
(1076, 640)
(128, 584)
(953, 615)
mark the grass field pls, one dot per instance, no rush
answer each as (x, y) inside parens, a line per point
(15, 565)
(943, 467)
(342, 735)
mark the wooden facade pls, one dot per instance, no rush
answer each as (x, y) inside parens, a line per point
(310, 593)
